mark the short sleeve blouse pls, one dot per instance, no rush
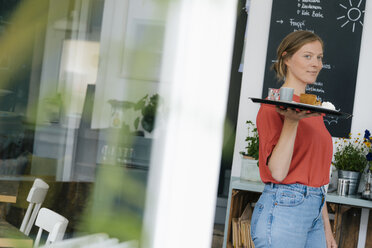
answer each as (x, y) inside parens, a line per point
(313, 149)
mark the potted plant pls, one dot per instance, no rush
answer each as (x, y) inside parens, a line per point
(368, 142)
(350, 160)
(144, 112)
(249, 163)
(148, 106)
(53, 106)
(366, 176)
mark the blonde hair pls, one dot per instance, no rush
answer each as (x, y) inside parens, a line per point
(289, 46)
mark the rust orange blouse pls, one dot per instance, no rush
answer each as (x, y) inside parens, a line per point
(312, 153)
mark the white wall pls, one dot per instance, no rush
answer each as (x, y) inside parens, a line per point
(186, 156)
(119, 18)
(362, 104)
(253, 74)
(52, 56)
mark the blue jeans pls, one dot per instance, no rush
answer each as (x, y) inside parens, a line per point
(289, 216)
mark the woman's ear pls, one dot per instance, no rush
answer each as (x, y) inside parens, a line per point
(286, 61)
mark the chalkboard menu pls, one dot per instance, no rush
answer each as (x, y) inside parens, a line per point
(340, 24)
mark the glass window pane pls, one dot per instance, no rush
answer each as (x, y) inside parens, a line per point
(83, 84)
(78, 100)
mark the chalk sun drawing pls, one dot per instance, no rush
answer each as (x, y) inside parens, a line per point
(352, 16)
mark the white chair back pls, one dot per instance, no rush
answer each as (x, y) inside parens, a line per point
(35, 198)
(51, 222)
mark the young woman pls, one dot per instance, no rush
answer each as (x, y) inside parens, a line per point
(294, 157)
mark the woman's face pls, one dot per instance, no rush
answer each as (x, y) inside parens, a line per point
(305, 65)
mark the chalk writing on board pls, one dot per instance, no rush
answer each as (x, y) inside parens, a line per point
(327, 66)
(330, 120)
(314, 89)
(311, 1)
(310, 8)
(297, 24)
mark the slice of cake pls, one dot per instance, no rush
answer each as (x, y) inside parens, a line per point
(309, 99)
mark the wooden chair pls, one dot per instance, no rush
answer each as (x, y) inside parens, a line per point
(51, 222)
(35, 197)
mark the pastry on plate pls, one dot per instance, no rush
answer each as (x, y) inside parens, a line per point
(309, 99)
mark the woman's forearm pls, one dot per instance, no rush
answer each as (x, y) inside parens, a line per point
(330, 240)
(327, 224)
(281, 156)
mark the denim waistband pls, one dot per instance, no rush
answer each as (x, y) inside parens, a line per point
(306, 190)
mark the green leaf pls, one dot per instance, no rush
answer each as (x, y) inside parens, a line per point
(136, 123)
(252, 148)
(141, 103)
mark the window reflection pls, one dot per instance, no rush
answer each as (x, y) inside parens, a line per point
(78, 102)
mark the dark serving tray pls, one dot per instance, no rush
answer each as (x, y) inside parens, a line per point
(302, 106)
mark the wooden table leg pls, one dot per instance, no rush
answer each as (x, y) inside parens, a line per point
(339, 211)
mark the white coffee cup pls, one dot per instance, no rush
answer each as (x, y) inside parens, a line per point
(286, 94)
